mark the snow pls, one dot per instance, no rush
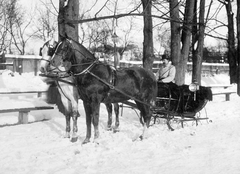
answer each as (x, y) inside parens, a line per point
(212, 147)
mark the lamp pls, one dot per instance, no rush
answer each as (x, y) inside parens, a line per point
(115, 39)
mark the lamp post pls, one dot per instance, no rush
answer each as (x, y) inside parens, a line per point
(115, 39)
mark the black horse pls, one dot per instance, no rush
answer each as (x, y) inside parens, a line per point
(98, 83)
(63, 92)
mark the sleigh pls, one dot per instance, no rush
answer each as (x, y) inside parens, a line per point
(178, 104)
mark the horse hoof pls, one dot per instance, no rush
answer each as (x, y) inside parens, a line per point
(116, 130)
(67, 135)
(74, 139)
(109, 128)
(86, 141)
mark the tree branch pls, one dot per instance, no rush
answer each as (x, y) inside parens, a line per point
(110, 17)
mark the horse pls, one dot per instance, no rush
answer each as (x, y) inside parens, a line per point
(98, 83)
(64, 94)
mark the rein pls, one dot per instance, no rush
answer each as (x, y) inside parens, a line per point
(45, 60)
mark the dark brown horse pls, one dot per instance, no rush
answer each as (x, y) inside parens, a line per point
(63, 92)
(99, 83)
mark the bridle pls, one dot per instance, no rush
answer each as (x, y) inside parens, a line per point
(51, 48)
(64, 57)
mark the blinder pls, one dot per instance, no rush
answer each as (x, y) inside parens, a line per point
(51, 48)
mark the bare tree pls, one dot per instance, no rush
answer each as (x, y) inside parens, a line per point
(14, 27)
(232, 57)
(175, 36)
(148, 55)
(164, 39)
(197, 42)
(180, 41)
(18, 33)
(238, 47)
(69, 11)
(46, 25)
(4, 25)
(8, 14)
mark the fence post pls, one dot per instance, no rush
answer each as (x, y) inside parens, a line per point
(14, 65)
(35, 66)
(2, 60)
(19, 67)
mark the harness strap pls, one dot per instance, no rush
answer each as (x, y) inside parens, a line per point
(59, 86)
(88, 68)
(113, 76)
(58, 79)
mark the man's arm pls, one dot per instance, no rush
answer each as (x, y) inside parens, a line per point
(170, 78)
(157, 74)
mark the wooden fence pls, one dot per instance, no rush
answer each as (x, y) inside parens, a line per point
(31, 63)
(20, 63)
(207, 68)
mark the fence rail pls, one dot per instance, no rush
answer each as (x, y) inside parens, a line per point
(20, 63)
(31, 63)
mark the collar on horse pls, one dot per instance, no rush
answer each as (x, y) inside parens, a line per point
(112, 80)
(59, 78)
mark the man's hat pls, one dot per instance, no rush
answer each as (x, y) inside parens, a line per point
(165, 57)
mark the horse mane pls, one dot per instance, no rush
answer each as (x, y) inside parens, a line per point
(84, 51)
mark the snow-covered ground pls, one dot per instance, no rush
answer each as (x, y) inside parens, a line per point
(39, 147)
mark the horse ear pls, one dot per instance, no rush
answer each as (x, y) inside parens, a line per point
(40, 51)
(61, 37)
(66, 36)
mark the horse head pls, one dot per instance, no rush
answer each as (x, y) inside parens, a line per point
(47, 51)
(71, 54)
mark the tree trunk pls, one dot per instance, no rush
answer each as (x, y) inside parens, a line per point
(186, 38)
(69, 11)
(232, 60)
(148, 55)
(238, 47)
(175, 39)
(197, 44)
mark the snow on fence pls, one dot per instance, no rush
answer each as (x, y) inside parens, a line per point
(207, 68)
(31, 63)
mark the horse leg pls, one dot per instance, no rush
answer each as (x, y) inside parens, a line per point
(68, 127)
(116, 110)
(75, 113)
(75, 128)
(145, 113)
(109, 110)
(95, 119)
(88, 113)
(69, 98)
(71, 112)
(63, 107)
